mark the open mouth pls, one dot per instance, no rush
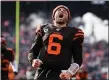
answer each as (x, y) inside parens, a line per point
(61, 16)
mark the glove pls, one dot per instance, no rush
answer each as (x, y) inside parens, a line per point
(36, 63)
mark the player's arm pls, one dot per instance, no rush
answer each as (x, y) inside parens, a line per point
(77, 52)
(36, 45)
(11, 55)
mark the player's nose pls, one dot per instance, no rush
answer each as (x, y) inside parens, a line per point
(61, 10)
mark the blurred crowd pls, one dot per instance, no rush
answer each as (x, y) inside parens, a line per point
(95, 55)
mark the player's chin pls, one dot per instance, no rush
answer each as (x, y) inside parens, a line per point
(60, 19)
(60, 22)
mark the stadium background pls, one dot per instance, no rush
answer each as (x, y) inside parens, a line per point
(90, 16)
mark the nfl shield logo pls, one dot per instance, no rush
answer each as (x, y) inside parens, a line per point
(45, 30)
(57, 29)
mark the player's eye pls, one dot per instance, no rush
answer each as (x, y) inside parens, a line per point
(64, 10)
(59, 9)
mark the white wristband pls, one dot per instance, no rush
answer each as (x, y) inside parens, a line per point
(73, 68)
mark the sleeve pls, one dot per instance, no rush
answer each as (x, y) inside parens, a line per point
(77, 47)
(77, 52)
(36, 45)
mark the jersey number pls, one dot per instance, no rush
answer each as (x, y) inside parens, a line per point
(57, 45)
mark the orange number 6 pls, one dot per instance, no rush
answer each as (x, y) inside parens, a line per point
(57, 45)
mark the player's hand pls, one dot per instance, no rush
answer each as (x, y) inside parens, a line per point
(65, 75)
(36, 63)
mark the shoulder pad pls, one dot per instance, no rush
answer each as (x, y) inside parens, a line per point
(10, 50)
(45, 24)
(39, 27)
(79, 34)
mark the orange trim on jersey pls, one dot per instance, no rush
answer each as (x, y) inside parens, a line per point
(9, 49)
(77, 37)
(80, 31)
(79, 34)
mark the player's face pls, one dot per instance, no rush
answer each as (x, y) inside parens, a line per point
(61, 16)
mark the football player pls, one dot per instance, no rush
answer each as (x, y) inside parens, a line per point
(56, 51)
(7, 56)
